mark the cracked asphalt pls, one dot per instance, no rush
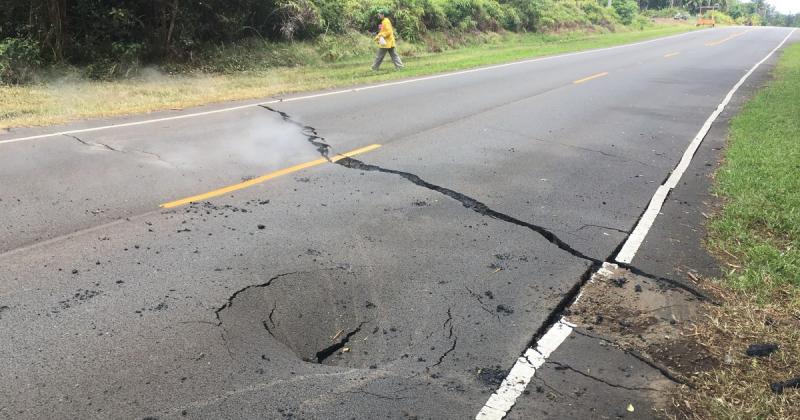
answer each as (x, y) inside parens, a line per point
(400, 283)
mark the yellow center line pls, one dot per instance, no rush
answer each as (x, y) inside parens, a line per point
(586, 79)
(736, 35)
(266, 177)
(670, 55)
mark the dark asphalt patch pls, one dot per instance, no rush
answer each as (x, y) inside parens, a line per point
(778, 387)
(492, 376)
(761, 350)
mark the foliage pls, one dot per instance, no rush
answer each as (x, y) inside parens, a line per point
(626, 9)
(668, 12)
(64, 97)
(600, 15)
(722, 18)
(18, 58)
(114, 38)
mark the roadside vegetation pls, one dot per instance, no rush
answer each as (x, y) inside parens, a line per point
(62, 60)
(756, 235)
(70, 98)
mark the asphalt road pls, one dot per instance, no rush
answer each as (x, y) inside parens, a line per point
(404, 281)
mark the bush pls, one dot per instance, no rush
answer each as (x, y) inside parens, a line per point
(722, 18)
(336, 16)
(298, 18)
(669, 12)
(434, 17)
(560, 15)
(512, 19)
(600, 15)
(754, 20)
(339, 47)
(19, 57)
(472, 14)
(640, 22)
(408, 24)
(626, 9)
(117, 38)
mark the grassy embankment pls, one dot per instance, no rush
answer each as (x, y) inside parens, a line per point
(68, 99)
(757, 237)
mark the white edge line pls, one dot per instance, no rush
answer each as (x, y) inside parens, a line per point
(636, 238)
(521, 374)
(339, 92)
(501, 402)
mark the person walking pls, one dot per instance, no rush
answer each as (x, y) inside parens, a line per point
(386, 43)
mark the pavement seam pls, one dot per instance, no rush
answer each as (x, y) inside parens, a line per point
(564, 366)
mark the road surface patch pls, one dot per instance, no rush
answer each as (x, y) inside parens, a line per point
(501, 402)
(267, 177)
(672, 54)
(636, 238)
(723, 40)
(592, 77)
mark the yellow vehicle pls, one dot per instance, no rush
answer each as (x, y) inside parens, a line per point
(705, 17)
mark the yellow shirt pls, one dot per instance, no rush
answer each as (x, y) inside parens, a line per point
(387, 32)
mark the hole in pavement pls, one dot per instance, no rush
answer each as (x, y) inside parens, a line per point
(325, 316)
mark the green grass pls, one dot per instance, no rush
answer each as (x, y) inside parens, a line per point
(758, 229)
(73, 98)
(756, 234)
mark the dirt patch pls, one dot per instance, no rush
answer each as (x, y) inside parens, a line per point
(746, 383)
(646, 318)
(492, 376)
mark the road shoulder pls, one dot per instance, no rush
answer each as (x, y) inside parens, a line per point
(634, 348)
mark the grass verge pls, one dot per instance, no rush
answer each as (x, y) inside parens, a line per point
(757, 236)
(62, 100)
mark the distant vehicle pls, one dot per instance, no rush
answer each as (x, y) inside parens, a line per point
(680, 16)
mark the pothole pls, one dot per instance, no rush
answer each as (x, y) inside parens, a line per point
(326, 316)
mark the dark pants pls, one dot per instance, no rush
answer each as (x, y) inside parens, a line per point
(398, 64)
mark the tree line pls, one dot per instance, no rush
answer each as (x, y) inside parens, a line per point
(79, 32)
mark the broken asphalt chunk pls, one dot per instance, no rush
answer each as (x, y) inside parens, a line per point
(761, 350)
(778, 387)
(505, 309)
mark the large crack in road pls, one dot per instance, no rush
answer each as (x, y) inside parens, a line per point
(107, 147)
(304, 321)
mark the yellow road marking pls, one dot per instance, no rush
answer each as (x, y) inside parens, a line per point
(266, 177)
(586, 79)
(670, 55)
(736, 35)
